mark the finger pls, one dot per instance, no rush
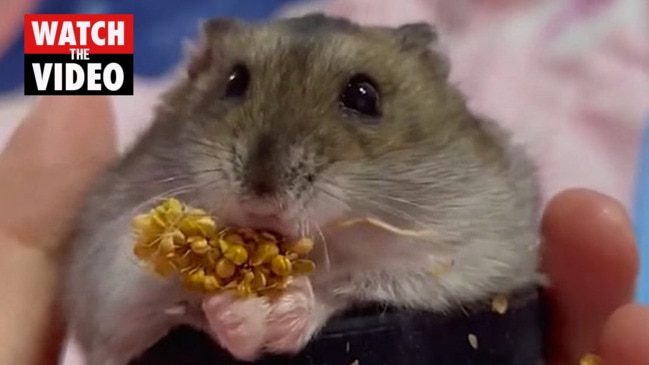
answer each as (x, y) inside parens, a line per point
(625, 338)
(51, 161)
(591, 259)
(29, 329)
(46, 168)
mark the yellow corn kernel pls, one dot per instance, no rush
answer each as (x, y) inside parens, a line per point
(173, 206)
(303, 267)
(157, 223)
(166, 244)
(212, 256)
(247, 276)
(163, 267)
(244, 289)
(195, 212)
(189, 228)
(237, 254)
(141, 222)
(197, 278)
(183, 261)
(264, 253)
(225, 268)
(198, 245)
(234, 239)
(223, 244)
(178, 237)
(259, 281)
(281, 265)
(206, 225)
(211, 283)
(144, 251)
(499, 304)
(302, 247)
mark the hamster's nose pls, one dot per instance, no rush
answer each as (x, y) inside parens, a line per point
(263, 166)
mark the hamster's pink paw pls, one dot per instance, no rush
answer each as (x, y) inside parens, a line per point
(291, 322)
(239, 325)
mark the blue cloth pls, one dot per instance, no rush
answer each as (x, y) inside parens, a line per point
(160, 27)
(641, 218)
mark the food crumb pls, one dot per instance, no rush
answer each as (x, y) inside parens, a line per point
(590, 359)
(176, 310)
(499, 304)
(473, 340)
(441, 269)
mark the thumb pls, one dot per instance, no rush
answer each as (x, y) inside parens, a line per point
(45, 171)
(50, 162)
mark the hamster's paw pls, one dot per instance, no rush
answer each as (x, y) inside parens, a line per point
(292, 321)
(239, 325)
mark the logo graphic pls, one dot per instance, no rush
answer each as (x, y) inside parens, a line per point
(78, 54)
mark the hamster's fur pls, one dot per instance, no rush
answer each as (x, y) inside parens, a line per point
(257, 133)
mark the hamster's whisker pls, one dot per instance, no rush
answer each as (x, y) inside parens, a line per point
(185, 175)
(210, 209)
(407, 202)
(323, 188)
(213, 153)
(325, 247)
(196, 141)
(303, 228)
(177, 190)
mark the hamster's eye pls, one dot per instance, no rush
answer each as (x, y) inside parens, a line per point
(237, 81)
(361, 95)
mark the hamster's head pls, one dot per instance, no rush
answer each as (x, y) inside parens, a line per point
(291, 124)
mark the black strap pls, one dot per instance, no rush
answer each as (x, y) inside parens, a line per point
(378, 335)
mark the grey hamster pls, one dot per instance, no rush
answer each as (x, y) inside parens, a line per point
(290, 125)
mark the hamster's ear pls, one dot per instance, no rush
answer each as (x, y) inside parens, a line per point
(200, 53)
(417, 35)
(216, 27)
(424, 36)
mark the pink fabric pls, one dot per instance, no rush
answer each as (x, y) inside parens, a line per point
(570, 78)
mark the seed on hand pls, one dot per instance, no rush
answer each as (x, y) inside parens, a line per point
(303, 267)
(225, 268)
(175, 239)
(237, 254)
(198, 245)
(302, 247)
(264, 253)
(281, 265)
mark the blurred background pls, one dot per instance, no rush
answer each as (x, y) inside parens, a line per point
(569, 78)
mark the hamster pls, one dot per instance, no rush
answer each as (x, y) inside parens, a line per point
(291, 125)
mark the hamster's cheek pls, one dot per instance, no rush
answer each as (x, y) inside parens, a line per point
(327, 205)
(367, 248)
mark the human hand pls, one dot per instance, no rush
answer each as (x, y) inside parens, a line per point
(45, 171)
(592, 261)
